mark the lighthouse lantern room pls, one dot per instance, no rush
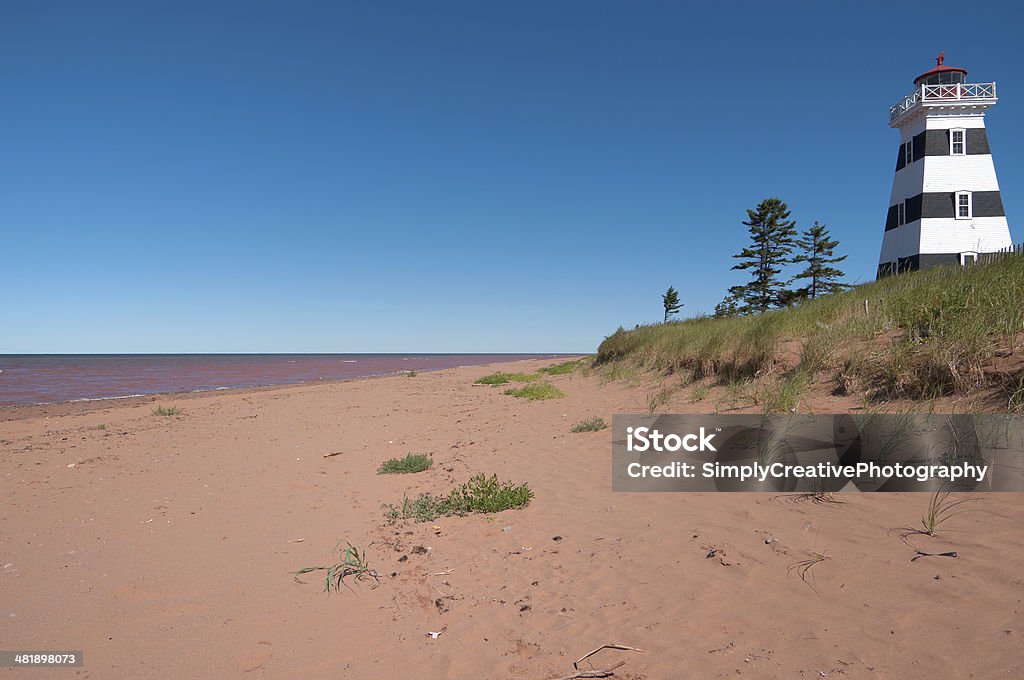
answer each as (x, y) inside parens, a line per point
(945, 206)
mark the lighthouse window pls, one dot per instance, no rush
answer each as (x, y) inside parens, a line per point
(901, 213)
(963, 205)
(956, 142)
(908, 153)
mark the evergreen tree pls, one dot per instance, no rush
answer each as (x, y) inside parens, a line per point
(818, 249)
(772, 239)
(727, 307)
(671, 302)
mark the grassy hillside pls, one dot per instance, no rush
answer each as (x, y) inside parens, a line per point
(921, 335)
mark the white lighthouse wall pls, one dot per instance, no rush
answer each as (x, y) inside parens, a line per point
(954, 173)
(981, 235)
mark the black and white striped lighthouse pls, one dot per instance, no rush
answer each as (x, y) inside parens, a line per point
(945, 206)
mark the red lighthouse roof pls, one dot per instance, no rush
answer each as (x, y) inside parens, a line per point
(940, 68)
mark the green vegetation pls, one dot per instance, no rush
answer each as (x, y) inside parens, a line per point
(941, 508)
(916, 336)
(481, 494)
(536, 392)
(351, 562)
(818, 248)
(772, 239)
(413, 462)
(411, 374)
(166, 411)
(565, 367)
(670, 301)
(505, 378)
(590, 425)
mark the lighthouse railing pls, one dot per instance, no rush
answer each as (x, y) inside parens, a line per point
(950, 92)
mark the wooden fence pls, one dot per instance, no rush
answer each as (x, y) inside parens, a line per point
(1010, 251)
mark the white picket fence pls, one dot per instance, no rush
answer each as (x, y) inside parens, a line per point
(1009, 251)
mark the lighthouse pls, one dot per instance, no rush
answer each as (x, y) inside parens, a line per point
(945, 206)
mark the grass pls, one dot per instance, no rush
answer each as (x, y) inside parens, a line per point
(565, 367)
(481, 494)
(351, 563)
(500, 378)
(924, 334)
(940, 509)
(166, 411)
(536, 392)
(412, 462)
(803, 567)
(658, 398)
(590, 425)
(411, 374)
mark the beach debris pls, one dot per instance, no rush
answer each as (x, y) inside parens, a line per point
(611, 645)
(507, 528)
(420, 550)
(556, 539)
(921, 554)
(443, 573)
(333, 453)
(296, 540)
(434, 634)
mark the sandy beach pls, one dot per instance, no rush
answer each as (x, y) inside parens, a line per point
(162, 547)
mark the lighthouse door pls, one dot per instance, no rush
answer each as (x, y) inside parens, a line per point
(967, 259)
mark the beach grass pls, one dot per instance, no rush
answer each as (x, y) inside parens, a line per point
(917, 336)
(166, 411)
(501, 378)
(565, 367)
(351, 563)
(481, 494)
(590, 425)
(412, 462)
(536, 392)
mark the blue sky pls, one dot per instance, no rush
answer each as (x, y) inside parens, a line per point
(449, 176)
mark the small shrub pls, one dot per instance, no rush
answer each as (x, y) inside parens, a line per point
(413, 462)
(505, 378)
(590, 425)
(166, 411)
(481, 494)
(536, 392)
(411, 374)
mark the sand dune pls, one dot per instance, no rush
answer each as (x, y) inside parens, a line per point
(162, 547)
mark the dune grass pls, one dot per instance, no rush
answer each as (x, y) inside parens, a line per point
(481, 494)
(918, 335)
(351, 563)
(500, 378)
(166, 411)
(590, 425)
(565, 367)
(536, 392)
(412, 462)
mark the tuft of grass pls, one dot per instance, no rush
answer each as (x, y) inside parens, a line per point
(411, 374)
(565, 367)
(500, 378)
(101, 426)
(481, 494)
(940, 509)
(803, 567)
(166, 411)
(658, 398)
(351, 562)
(536, 392)
(412, 462)
(699, 393)
(590, 425)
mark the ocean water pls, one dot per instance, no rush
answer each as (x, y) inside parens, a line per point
(51, 378)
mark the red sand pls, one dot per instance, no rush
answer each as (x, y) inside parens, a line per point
(161, 547)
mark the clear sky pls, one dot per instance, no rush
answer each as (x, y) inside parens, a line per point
(442, 176)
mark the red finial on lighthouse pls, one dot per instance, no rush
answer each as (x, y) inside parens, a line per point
(941, 58)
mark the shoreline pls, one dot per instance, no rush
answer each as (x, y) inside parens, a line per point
(10, 412)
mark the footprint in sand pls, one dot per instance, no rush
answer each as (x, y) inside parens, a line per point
(255, 658)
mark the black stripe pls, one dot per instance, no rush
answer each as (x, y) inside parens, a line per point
(942, 204)
(936, 143)
(915, 263)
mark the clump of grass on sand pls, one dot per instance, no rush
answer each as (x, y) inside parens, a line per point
(536, 392)
(500, 378)
(565, 367)
(481, 494)
(411, 374)
(413, 462)
(940, 509)
(166, 411)
(803, 567)
(590, 425)
(351, 562)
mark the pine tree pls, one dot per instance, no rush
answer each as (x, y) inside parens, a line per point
(727, 307)
(772, 239)
(817, 252)
(671, 302)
